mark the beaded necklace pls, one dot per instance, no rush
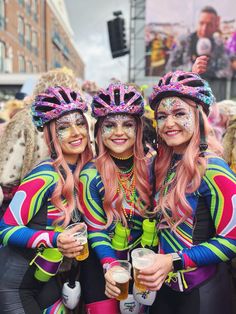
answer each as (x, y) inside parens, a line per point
(170, 176)
(126, 185)
(122, 158)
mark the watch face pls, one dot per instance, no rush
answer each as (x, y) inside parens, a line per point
(177, 262)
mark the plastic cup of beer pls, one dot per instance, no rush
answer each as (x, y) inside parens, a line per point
(141, 258)
(82, 238)
(120, 272)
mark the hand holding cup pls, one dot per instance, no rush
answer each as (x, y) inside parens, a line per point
(68, 242)
(117, 280)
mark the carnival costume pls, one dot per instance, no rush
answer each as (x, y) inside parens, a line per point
(28, 228)
(208, 236)
(114, 242)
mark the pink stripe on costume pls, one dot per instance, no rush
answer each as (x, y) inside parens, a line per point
(56, 308)
(227, 204)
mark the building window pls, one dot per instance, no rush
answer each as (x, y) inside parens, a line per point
(21, 64)
(21, 2)
(35, 69)
(35, 43)
(28, 36)
(29, 67)
(28, 7)
(35, 9)
(21, 30)
(2, 55)
(2, 14)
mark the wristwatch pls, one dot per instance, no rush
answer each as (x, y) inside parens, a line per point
(177, 262)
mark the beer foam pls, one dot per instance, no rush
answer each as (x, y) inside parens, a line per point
(120, 276)
(82, 240)
(142, 262)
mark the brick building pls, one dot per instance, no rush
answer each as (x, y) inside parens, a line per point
(35, 36)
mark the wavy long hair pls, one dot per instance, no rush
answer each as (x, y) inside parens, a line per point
(108, 171)
(68, 182)
(188, 174)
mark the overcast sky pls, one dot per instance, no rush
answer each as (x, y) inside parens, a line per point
(88, 19)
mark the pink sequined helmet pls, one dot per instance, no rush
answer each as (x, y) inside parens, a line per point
(55, 102)
(183, 84)
(118, 98)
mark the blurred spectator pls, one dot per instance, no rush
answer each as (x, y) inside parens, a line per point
(220, 115)
(10, 108)
(90, 88)
(229, 143)
(231, 45)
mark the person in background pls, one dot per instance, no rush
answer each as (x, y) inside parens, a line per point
(202, 42)
(11, 107)
(195, 191)
(90, 88)
(115, 190)
(44, 204)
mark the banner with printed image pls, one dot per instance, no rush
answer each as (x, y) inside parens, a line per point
(176, 32)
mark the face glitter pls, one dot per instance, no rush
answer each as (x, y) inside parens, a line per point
(179, 110)
(119, 124)
(67, 123)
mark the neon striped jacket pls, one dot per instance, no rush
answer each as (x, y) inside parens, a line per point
(92, 195)
(28, 221)
(218, 190)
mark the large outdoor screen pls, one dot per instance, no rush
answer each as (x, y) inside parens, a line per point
(176, 32)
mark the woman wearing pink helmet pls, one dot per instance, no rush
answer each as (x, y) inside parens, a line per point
(44, 201)
(116, 190)
(195, 198)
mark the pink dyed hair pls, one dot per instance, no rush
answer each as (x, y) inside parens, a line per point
(108, 171)
(65, 186)
(189, 171)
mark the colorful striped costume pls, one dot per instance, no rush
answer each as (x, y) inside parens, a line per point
(26, 225)
(204, 241)
(218, 189)
(92, 203)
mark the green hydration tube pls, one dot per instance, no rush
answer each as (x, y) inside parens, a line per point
(120, 240)
(149, 237)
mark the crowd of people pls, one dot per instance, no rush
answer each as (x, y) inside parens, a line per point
(96, 158)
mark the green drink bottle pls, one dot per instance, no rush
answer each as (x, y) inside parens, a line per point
(149, 236)
(120, 238)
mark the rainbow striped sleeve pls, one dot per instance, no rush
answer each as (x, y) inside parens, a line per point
(218, 188)
(26, 203)
(91, 198)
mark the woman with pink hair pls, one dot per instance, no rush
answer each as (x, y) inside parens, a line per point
(195, 197)
(31, 229)
(116, 190)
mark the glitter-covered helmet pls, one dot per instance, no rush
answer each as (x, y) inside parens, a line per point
(118, 98)
(183, 84)
(55, 102)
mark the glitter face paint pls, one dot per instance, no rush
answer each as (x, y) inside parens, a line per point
(176, 122)
(73, 136)
(126, 124)
(119, 134)
(179, 110)
(66, 125)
